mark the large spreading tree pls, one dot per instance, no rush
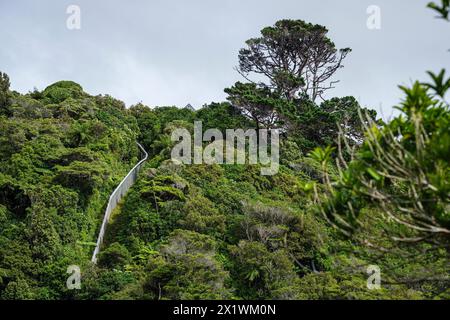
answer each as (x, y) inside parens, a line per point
(295, 57)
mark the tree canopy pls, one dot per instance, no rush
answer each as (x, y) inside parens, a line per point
(295, 57)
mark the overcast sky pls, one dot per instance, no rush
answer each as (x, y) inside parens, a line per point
(174, 52)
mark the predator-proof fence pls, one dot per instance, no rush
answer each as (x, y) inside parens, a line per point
(115, 197)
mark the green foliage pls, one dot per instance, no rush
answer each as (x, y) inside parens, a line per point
(164, 188)
(226, 231)
(221, 116)
(256, 103)
(322, 155)
(403, 167)
(311, 125)
(62, 90)
(401, 172)
(285, 55)
(153, 122)
(103, 284)
(443, 9)
(60, 159)
(80, 175)
(4, 93)
(17, 290)
(115, 255)
(258, 271)
(440, 85)
(202, 216)
(185, 269)
(44, 240)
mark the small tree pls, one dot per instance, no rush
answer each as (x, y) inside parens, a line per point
(295, 56)
(115, 256)
(4, 90)
(256, 103)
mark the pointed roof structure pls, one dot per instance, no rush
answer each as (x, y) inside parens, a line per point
(189, 107)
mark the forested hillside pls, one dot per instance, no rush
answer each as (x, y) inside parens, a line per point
(184, 231)
(352, 191)
(62, 152)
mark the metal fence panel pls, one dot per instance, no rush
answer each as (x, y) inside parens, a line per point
(115, 198)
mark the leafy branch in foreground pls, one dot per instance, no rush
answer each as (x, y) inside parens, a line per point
(443, 9)
(440, 85)
(402, 169)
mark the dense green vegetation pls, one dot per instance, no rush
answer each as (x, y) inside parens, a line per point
(351, 191)
(208, 232)
(62, 152)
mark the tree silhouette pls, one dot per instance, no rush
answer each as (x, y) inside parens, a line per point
(295, 56)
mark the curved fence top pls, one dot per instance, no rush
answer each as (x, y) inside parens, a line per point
(115, 197)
